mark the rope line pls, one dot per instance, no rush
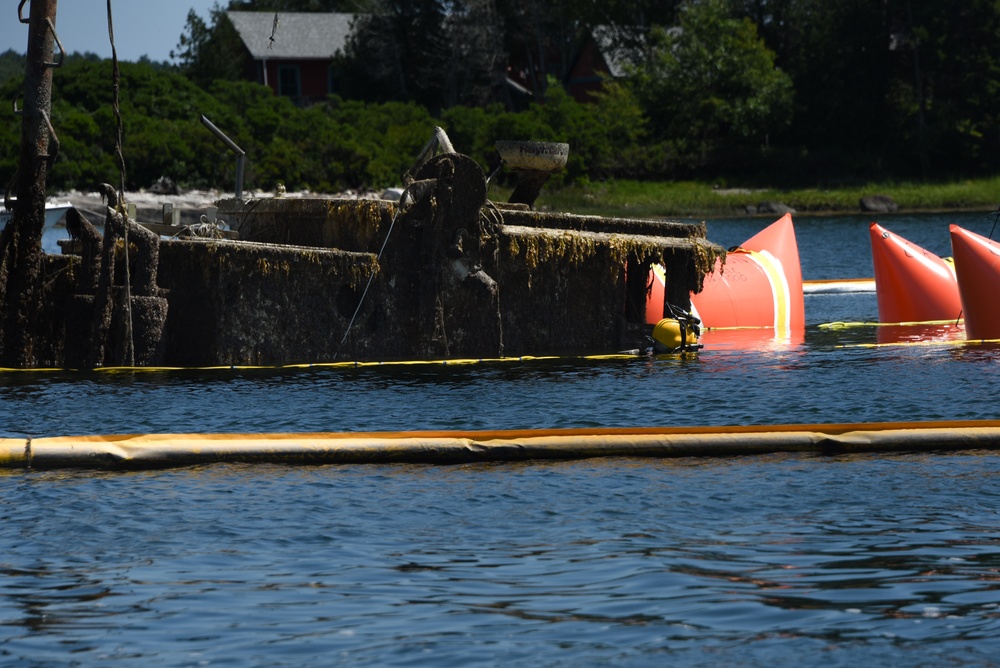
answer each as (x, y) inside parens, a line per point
(116, 76)
(491, 219)
(371, 276)
(274, 26)
(129, 352)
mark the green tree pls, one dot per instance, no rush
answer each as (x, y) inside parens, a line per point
(945, 84)
(348, 6)
(209, 52)
(896, 87)
(712, 85)
(12, 65)
(399, 51)
(837, 54)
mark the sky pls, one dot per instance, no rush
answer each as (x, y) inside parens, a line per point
(142, 27)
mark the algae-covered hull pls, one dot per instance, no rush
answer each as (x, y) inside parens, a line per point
(457, 275)
(444, 273)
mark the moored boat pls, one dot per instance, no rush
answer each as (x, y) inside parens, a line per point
(54, 211)
(977, 268)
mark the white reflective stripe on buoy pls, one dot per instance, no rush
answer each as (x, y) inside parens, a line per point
(694, 312)
(660, 272)
(780, 291)
(655, 308)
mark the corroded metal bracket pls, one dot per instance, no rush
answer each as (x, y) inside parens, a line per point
(52, 131)
(54, 139)
(62, 51)
(52, 29)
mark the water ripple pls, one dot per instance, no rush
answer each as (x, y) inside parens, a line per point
(618, 561)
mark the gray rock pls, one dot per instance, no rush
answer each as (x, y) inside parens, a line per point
(779, 208)
(878, 204)
(164, 186)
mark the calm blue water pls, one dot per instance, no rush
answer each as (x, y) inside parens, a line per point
(861, 560)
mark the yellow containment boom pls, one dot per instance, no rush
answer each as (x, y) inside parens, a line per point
(453, 447)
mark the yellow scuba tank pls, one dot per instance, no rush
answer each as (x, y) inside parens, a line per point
(676, 334)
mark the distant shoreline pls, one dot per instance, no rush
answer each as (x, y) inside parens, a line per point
(151, 205)
(639, 199)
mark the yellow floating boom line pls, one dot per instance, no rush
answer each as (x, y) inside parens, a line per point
(453, 447)
(915, 323)
(355, 364)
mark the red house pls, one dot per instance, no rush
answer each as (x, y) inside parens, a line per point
(297, 62)
(603, 56)
(294, 59)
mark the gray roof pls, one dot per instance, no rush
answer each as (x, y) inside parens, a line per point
(617, 56)
(299, 35)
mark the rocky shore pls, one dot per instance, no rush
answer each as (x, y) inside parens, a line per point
(191, 203)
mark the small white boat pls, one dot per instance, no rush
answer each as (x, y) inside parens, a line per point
(54, 211)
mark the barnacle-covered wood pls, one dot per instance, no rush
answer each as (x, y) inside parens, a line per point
(445, 273)
(234, 302)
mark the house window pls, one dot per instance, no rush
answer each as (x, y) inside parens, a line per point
(289, 81)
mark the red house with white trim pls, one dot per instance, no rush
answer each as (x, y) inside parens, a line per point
(293, 59)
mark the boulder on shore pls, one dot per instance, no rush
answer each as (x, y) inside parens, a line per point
(768, 206)
(878, 204)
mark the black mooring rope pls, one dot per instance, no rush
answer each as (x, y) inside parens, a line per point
(129, 357)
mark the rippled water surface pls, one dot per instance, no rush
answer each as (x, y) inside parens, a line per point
(780, 560)
(762, 561)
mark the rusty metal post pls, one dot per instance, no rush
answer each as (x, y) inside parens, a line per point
(21, 247)
(241, 155)
(36, 128)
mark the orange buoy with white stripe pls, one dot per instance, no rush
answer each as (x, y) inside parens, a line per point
(911, 284)
(760, 284)
(977, 267)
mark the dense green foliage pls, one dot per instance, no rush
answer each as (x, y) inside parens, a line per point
(327, 147)
(699, 199)
(715, 86)
(798, 92)
(331, 146)
(11, 65)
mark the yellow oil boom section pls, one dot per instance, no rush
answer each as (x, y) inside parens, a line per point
(453, 447)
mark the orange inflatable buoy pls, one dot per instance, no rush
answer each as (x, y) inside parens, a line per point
(911, 284)
(755, 299)
(760, 284)
(977, 267)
